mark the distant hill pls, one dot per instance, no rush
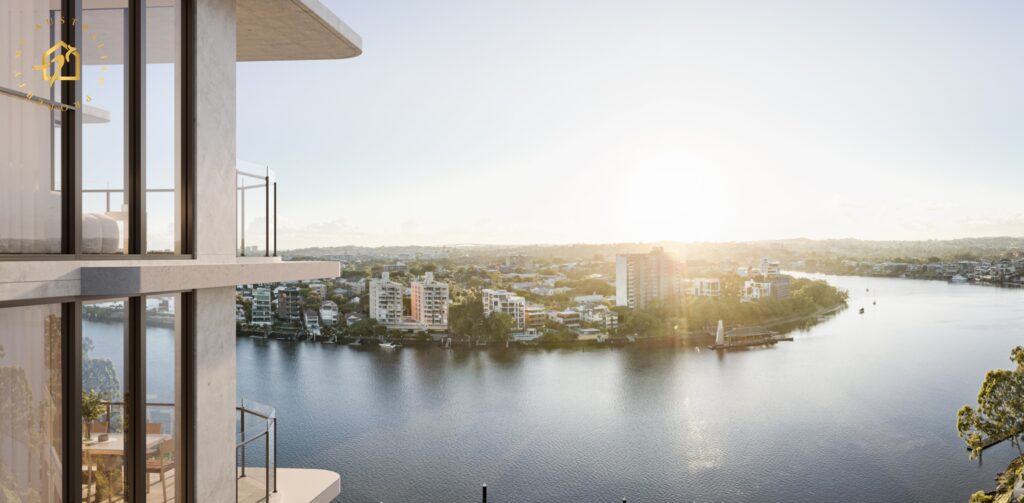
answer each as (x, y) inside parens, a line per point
(783, 249)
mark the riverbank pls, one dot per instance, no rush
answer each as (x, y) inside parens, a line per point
(693, 337)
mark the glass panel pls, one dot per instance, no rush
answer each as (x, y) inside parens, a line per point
(163, 166)
(30, 200)
(103, 393)
(104, 201)
(30, 404)
(163, 335)
(254, 217)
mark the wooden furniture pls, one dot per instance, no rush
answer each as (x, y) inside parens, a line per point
(161, 462)
(107, 457)
(154, 428)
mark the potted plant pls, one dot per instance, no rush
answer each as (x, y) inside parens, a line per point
(92, 409)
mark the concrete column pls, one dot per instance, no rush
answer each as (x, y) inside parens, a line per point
(215, 129)
(215, 395)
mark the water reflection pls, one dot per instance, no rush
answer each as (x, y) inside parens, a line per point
(857, 408)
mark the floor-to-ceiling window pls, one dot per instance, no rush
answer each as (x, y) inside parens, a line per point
(30, 200)
(104, 384)
(30, 403)
(163, 359)
(163, 118)
(121, 68)
(105, 164)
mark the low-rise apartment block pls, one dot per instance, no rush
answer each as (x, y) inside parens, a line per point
(503, 301)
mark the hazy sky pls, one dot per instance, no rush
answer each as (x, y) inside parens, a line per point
(554, 121)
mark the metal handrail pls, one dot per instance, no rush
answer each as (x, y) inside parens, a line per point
(270, 462)
(108, 192)
(269, 185)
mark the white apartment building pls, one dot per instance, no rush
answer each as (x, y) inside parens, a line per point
(328, 313)
(117, 199)
(705, 287)
(386, 300)
(601, 316)
(756, 290)
(770, 268)
(503, 301)
(262, 312)
(430, 301)
(645, 279)
(311, 322)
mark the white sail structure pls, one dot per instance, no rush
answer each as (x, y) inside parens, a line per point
(720, 335)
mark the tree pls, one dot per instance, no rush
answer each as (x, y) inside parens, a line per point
(99, 374)
(1000, 411)
(499, 326)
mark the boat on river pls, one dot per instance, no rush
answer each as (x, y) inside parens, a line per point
(389, 345)
(958, 279)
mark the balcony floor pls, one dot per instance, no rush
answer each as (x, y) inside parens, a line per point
(294, 485)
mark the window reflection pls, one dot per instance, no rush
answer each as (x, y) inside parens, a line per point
(30, 403)
(104, 166)
(163, 166)
(30, 200)
(103, 398)
(163, 335)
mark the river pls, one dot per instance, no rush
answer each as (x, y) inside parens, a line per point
(858, 408)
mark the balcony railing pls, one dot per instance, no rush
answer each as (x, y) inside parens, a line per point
(257, 210)
(257, 424)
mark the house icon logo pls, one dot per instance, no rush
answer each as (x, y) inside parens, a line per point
(60, 62)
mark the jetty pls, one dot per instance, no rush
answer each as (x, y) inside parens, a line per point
(745, 337)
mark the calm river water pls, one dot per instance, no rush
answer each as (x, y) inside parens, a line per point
(860, 408)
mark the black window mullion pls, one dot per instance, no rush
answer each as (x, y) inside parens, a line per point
(71, 399)
(135, 172)
(135, 400)
(71, 133)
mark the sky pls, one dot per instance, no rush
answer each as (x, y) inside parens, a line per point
(594, 121)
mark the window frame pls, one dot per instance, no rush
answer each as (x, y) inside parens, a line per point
(135, 401)
(135, 138)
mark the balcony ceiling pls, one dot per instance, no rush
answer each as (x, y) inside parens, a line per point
(284, 30)
(268, 30)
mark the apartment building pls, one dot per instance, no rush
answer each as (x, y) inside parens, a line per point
(770, 268)
(386, 300)
(643, 280)
(328, 313)
(262, 313)
(311, 322)
(503, 301)
(430, 301)
(705, 287)
(123, 203)
(289, 305)
(536, 316)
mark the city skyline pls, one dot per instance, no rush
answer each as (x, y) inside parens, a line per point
(690, 121)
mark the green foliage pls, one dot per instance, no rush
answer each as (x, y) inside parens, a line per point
(981, 497)
(92, 406)
(1000, 411)
(806, 297)
(367, 327)
(467, 319)
(99, 374)
(498, 326)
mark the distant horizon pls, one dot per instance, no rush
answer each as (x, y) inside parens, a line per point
(653, 243)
